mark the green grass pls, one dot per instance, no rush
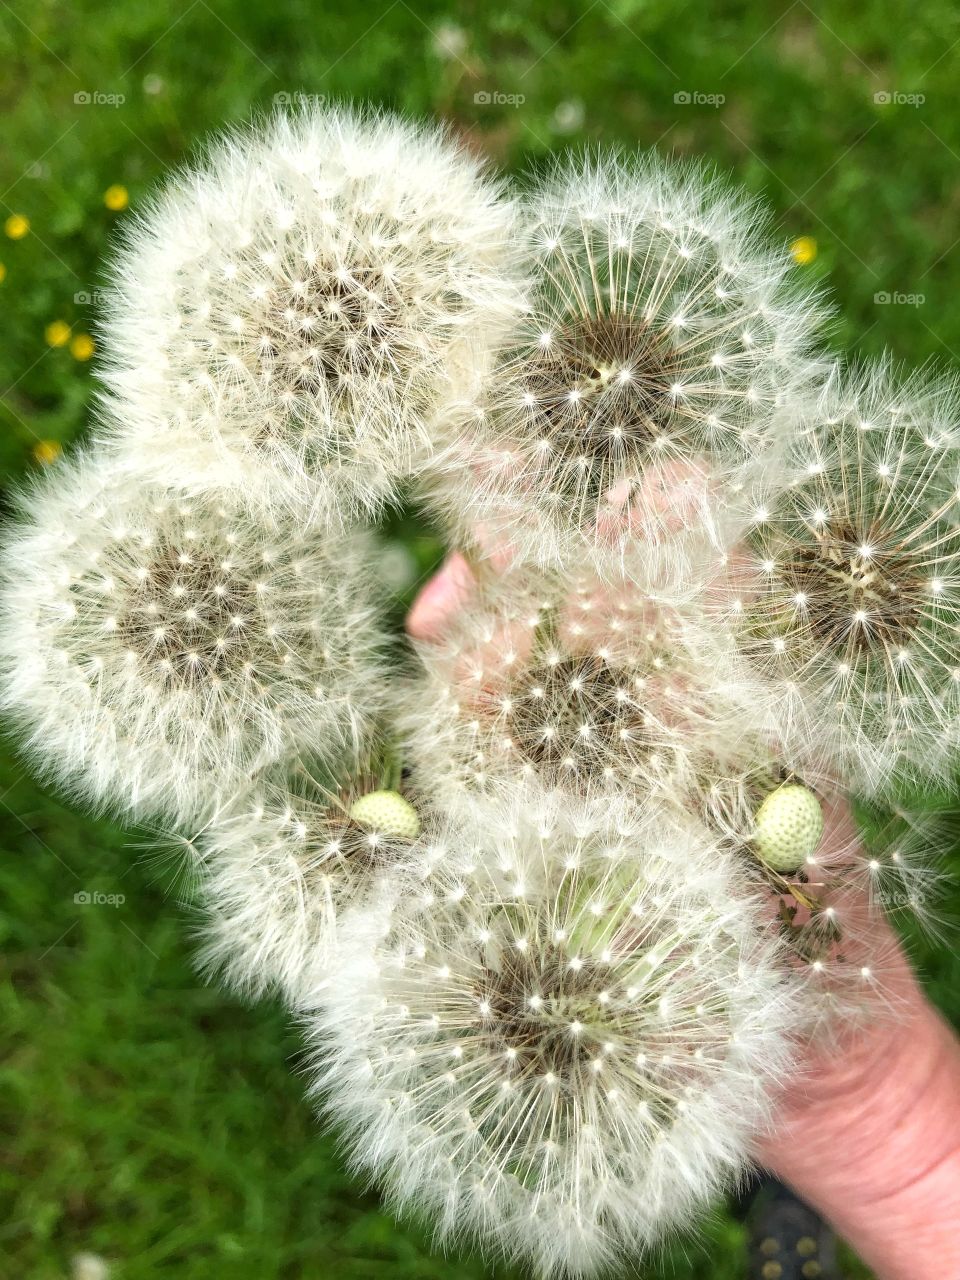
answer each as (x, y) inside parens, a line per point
(159, 1123)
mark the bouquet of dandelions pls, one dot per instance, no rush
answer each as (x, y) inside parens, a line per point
(555, 905)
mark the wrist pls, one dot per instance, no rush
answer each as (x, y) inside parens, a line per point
(870, 1136)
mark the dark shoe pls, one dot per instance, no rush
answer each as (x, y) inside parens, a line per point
(788, 1241)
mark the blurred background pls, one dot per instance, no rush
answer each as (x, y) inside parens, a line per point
(160, 1127)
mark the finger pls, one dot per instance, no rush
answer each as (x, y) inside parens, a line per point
(441, 599)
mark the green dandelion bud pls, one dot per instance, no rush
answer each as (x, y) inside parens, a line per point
(387, 812)
(789, 825)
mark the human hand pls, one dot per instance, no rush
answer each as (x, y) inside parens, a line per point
(868, 1131)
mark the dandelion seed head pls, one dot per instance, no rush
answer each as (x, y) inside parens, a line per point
(578, 1102)
(604, 690)
(646, 408)
(875, 562)
(308, 302)
(158, 645)
(283, 862)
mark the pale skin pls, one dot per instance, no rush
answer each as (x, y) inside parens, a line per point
(869, 1131)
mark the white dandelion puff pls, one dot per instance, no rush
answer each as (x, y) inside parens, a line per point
(561, 1037)
(849, 580)
(158, 646)
(307, 300)
(641, 388)
(578, 685)
(282, 863)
